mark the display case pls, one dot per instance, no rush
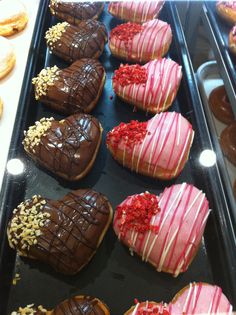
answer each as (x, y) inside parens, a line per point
(113, 275)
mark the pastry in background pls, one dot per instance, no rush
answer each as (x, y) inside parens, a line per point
(64, 234)
(157, 148)
(76, 11)
(140, 43)
(73, 89)
(228, 142)
(232, 40)
(7, 57)
(69, 42)
(67, 148)
(13, 17)
(151, 87)
(77, 305)
(195, 299)
(220, 105)
(1, 107)
(164, 230)
(136, 11)
(227, 10)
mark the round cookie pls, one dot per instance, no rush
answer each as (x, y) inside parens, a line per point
(7, 57)
(13, 17)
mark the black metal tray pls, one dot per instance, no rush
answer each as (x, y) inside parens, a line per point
(113, 275)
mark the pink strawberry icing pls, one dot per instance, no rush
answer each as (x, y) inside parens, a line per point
(163, 78)
(228, 4)
(147, 44)
(176, 232)
(166, 144)
(140, 11)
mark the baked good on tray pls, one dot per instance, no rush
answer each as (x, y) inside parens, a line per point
(70, 42)
(7, 56)
(67, 148)
(232, 40)
(77, 305)
(227, 10)
(195, 299)
(164, 230)
(151, 87)
(136, 11)
(220, 105)
(13, 17)
(64, 234)
(75, 11)
(140, 43)
(228, 142)
(76, 88)
(157, 148)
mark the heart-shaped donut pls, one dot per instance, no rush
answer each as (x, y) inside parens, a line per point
(68, 147)
(73, 89)
(165, 231)
(195, 299)
(77, 305)
(157, 148)
(140, 43)
(62, 233)
(136, 11)
(71, 42)
(152, 87)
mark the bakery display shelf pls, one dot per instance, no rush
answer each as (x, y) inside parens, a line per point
(208, 78)
(113, 275)
(218, 30)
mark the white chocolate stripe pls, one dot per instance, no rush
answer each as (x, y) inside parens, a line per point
(135, 309)
(188, 297)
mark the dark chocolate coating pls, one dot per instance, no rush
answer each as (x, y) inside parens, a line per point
(86, 40)
(73, 232)
(75, 11)
(76, 87)
(228, 142)
(68, 147)
(80, 305)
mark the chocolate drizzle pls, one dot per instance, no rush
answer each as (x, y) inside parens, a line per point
(76, 88)
(85, 41)
(76, 11)
(71, 236)
(69, 147)
(80, 305)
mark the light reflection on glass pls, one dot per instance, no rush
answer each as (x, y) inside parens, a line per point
(207, 158)
(15, 167)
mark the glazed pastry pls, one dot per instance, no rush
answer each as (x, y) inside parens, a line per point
(196, 298)
(157, 148)
(228, 142)
(78, 305)
(76, 11)
(165, 231)
(136, 11)
(67, 148)
(13, 17)
(7, 56)
(71, 42)
(1, 107)
(151, 87)
(140, 43)
(232, 40)
(73, 89)
(62, 233)
(227, 10)
(220, 105)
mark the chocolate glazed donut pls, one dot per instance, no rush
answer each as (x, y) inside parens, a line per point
(75, 11)
(228, 142)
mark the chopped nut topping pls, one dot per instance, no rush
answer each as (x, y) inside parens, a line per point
(34, 134)
(25, 226)
(29, 310)
(45, 78)
(54, 33)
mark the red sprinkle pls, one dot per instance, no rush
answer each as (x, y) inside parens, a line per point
(138, 214)
(134, 74)
(127, 31)
(131, 133)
